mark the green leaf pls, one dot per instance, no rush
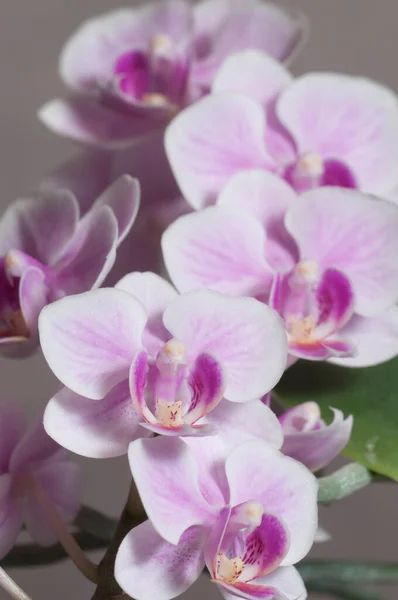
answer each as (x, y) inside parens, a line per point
(369, 394)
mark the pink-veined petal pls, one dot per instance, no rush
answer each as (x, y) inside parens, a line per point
(285, 583)
(241, 422)
(245, 336)
(33, 296)
(123, 197)
(166, 474)
(210, 458)
(252, 73)
(213, 139)
(91, 253)
(155, 294)
(40, 226)
(83, 119)
(347, 230)
(351, 119)
(218, 249)
(89, 340)
(236, 423)
(148, 567)
(100, 429)
(317, 448)
(267, 198)
(375, 339)
(233, 26)
(284, 487)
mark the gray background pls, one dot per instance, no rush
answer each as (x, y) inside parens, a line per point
(353, 36)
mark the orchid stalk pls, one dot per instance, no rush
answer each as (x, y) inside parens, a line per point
(9, 585)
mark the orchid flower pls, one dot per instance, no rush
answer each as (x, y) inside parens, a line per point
(89, 172)
(248, 514)
(29, 458)
(48, 252)
(309, 440)
(131, 70)
(320, 129)
(140, 356)
(326, 261)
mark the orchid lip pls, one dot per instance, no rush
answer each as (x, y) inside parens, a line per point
(301, 330)
(152, 77)
(169, 416)
(172, 394)
(229, 569)
(243, 550)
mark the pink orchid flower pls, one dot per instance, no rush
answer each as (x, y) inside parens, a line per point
(248, 514)
(47, 251)
(30, 458)
(319, 129)
(131, 70)
(309, 440)
(326, 261)
(140, 355)
(90, 171)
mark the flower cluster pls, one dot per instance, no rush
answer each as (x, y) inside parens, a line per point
(288, 252)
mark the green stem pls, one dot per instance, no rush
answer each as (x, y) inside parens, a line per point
(342, 590)
(344, 482)
(349, 571)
